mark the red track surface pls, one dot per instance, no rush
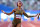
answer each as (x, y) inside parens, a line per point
(24, 24)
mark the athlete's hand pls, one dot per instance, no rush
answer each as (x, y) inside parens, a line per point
(3, 12)
(36, 15)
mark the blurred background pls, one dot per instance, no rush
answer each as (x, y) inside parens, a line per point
(29, 6)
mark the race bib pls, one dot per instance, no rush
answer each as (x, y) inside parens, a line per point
(18, 16)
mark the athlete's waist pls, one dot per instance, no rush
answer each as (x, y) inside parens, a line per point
(18, 18)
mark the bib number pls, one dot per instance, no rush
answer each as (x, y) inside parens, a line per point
(18, 16)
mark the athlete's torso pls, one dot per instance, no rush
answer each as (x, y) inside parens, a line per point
(18, 13)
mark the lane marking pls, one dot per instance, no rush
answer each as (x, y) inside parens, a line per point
(9, 24)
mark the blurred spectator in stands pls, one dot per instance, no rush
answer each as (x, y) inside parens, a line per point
(8, 3)
(38, 3)
(0, 1)
(27, 4)
(35, 6)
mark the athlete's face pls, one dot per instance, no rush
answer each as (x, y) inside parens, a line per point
(19, 4)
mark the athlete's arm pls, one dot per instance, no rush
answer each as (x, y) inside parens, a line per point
(38, 15)
(27, 15)
(9, 13)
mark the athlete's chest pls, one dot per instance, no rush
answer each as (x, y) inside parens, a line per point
(19, 12)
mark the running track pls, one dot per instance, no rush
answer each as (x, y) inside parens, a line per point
(24, 24)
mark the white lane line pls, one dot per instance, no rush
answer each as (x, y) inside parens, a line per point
(21, 26)
(9, 25)
(32, 25)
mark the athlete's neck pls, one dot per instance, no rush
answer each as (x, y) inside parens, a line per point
(19, 8)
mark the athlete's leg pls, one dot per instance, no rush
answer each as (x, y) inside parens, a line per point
(18, 25)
